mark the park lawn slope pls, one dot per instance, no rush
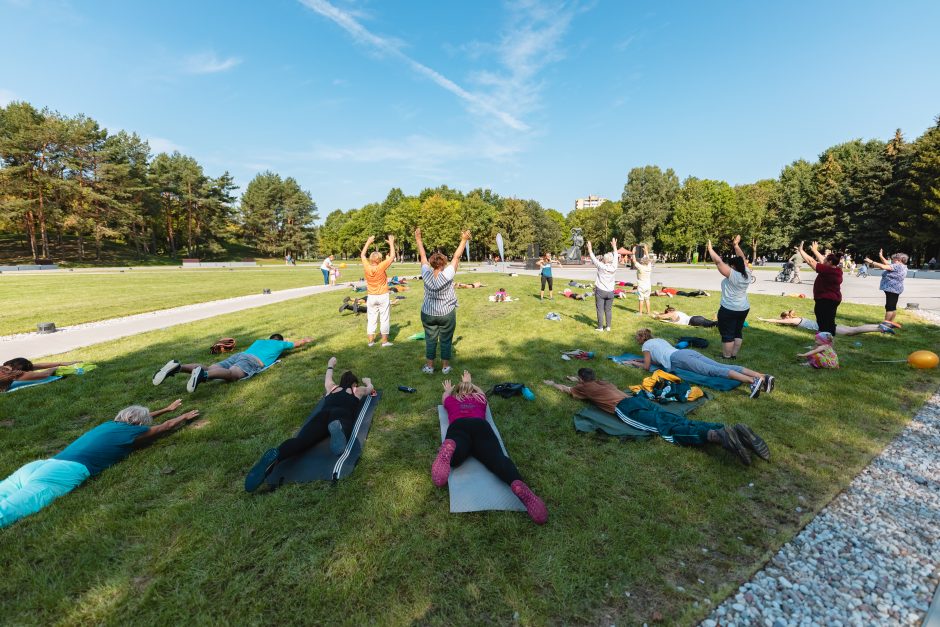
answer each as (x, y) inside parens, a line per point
(637, 531)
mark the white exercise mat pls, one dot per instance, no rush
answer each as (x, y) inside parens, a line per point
(473, 488)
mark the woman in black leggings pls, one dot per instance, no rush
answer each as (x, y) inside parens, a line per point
(334, 420)
(470, 434)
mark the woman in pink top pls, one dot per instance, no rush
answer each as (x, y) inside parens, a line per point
(470, 434)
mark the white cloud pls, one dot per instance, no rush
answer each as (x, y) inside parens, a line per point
(208, 63)
(393, 47)
(6, 97)
(161, 144)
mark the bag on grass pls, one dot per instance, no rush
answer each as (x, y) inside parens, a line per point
(695, 342)
(506, 390)
(224, 345)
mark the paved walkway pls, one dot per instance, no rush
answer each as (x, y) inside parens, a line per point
(35, 345)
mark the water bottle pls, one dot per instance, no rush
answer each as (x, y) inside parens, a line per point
(682, 344)
(527, 394)
(405, 388)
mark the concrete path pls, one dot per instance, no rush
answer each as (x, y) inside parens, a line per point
(925, 292)
(34, 345)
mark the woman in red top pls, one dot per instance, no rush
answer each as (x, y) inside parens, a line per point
(827, 290)
(470, 434)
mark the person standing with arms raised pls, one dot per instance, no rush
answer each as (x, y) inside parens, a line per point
(734, 307)
(827, 288)
(604, 285)
(378, 306)
(439, 311)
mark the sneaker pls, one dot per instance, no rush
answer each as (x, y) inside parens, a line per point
(198, 376)
(599, 329)
(386, 344)
(756, 385)
(344, 305)
(892, 323)
(170, 369)
(440, 469)
(445, 370)
(769, 383)
(261, 470)
(337, 438)
(427, 370)
(533, 504)
(607, 329)
(731, 442)
(884, 328)
(753, 441)
(370, 344)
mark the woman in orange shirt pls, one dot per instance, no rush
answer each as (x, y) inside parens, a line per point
(377, 302)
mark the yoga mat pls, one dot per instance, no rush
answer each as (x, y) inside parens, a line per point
(19, 385)
(260, 371)
(318, 463)
(473, 488)
(716, 383)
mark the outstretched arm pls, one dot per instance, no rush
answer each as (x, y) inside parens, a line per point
(36, 375)
(557, 386)
(594, 259)
(300, 342)
(165, 427)
(613, 247)
(171, 407)
(362, 254)
(875, 264)
(737, 247)
(464, 238)
(53, 364)
(881, 255)
(419, 243)
(391, 247)
(328, 384)
(723, 268)
(783, 321)
(448, 390)
(818, 349)
(815, 248)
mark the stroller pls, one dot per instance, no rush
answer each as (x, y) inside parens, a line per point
(787, 274)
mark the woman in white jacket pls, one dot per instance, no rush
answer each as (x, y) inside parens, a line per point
(604, 285)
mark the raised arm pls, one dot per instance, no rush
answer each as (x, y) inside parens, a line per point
(464, 238)
(448, 390)
(165, 427)
(875, 264)
(594, 259)
(419, 243)
(391, 247)
(613, 247)
(723, 268)
(881, 255)
(815, 248)
(737, 247)
(328, 384)
(365, 389)
(809, 260)
(362, 254)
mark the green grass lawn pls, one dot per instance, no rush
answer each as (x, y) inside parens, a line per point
(637, 532)
(72, 298)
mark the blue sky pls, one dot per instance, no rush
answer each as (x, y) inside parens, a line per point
(534, 99)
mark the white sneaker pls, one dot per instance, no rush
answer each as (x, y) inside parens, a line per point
(607, 328)
(194, 379)
(386, 344)
(371, 344)
(599, 329)
(445, 370)
(427, 370)
(168, 370)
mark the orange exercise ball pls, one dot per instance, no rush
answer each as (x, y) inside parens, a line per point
(342, 265)
(923, 360)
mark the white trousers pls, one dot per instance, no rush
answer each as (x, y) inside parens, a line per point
(378, 309)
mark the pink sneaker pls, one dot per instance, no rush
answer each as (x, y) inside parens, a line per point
(440, 469)
(533, 504)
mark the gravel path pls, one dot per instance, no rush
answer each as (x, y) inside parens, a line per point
(870, 557)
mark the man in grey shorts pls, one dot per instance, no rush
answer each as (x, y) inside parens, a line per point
(661, 353)
(260, 355)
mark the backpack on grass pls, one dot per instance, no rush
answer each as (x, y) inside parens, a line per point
(224, 345)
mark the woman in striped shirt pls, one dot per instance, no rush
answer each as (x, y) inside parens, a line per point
(439, 311)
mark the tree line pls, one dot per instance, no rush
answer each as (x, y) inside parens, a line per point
(67, 176)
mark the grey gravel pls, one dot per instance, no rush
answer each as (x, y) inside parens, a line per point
(870, 557)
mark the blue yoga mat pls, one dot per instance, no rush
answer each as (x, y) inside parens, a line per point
(716, 383)
(19, 385)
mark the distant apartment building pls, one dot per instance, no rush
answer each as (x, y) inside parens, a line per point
(589, 203)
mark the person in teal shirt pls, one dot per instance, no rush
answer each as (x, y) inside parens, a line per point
(38, 483)
(260, 355)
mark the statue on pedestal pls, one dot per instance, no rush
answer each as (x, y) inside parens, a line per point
(573, 254)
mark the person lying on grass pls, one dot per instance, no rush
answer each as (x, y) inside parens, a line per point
(260, 355)
(38, 483)
(790, 318)
(641, 413)
(22, 369)
(358, 305)
(469, 434)
(469, 286)
(823, 355)
(663, 355)
(671, 314)
(567, 293)
(335, 420)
